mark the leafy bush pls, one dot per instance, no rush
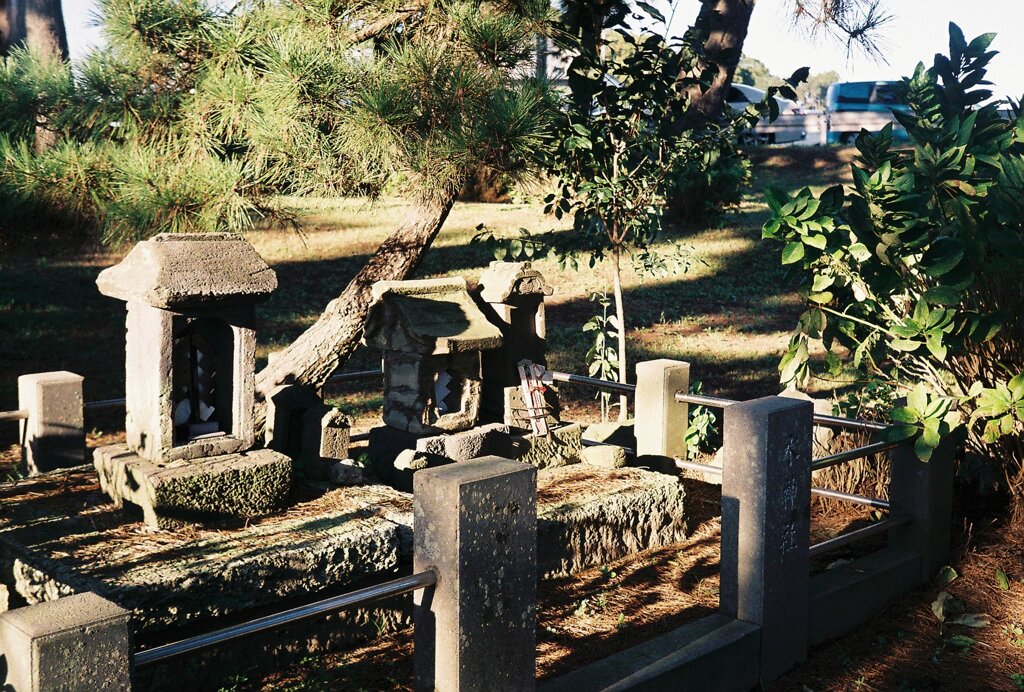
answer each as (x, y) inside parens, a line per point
(699, 190)
(912, 279)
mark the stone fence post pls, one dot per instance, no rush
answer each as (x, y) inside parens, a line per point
(923, 491)
(766, 496)
(660, 420)
(79, 643)
(53, 437)
(475, 523)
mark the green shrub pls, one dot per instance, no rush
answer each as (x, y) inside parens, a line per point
(701, 189)
(912, 280)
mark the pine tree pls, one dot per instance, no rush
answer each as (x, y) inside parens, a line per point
(195, 119)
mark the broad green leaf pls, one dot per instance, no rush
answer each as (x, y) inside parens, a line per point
(946, 575)
(917, 398)
(905, 345)
(943, 295)
(793, 252)
(816, 241)
(860, 252)
(1002, 580)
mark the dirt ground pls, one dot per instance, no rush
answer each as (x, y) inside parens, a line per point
(607, 609)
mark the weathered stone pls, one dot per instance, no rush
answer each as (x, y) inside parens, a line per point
(408, 462)
(151, 381)
(660, 420)
(823, 436)
(604, 456)
(339, 540)
(475, 524)
(411, 396)
(345, 472)
(505, 282)
(562, 447)
(429, 317)
(286, 408)
(612, 433)
(512, 297)
(590, 516)
(53, 436)
(174, 270)
(384, 446)
(485, 440)
(325, 432)
(235, 485)
(78, 643)
(923, 491)
(766, 496)
(516, 415)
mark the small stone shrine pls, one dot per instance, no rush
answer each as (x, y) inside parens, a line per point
(432, 336)
(190, 373)
(512, 296)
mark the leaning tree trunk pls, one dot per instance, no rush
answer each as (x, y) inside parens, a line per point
(320, 350)
(726, 23)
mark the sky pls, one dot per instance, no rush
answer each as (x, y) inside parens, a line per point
(918, 31)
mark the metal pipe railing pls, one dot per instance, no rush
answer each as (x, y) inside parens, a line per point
(621, 387)
(831, 544)
(104, 403)
(851, 454)
(395, 587)
(356, 376)
(20, 414)
(821, 492)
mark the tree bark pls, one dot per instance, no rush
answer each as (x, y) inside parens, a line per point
(6, 12)
(726, 23)
(620, 314)
(326, 345)
(44, 27)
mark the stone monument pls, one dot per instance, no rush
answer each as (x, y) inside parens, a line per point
(190, 373)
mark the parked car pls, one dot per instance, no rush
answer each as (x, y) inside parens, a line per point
(788, 127)
(853, 106)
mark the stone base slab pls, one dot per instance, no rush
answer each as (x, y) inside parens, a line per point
(169, 494)
(60, 535)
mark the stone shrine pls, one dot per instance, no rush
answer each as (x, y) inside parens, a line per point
(190, 373)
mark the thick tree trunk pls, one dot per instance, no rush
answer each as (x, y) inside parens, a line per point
(37, 23)
(44, 27)
(726, 23)
(329, 342)
(11, 26)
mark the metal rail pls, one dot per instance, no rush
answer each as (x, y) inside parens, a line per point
(821, 492)
(104, 403)
(851, 454)
(395, 587)
(20, 414)
(621, 387)
(356, 376)
(709, 401)
(831, 544)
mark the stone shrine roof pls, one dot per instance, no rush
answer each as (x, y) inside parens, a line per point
(504, 281)
(430, 317)
(174, 270)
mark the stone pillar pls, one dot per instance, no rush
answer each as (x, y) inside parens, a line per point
(81, 642)
(923, 490)
(475, 522)
(53, 437)
(766, 496)
(660, 420)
